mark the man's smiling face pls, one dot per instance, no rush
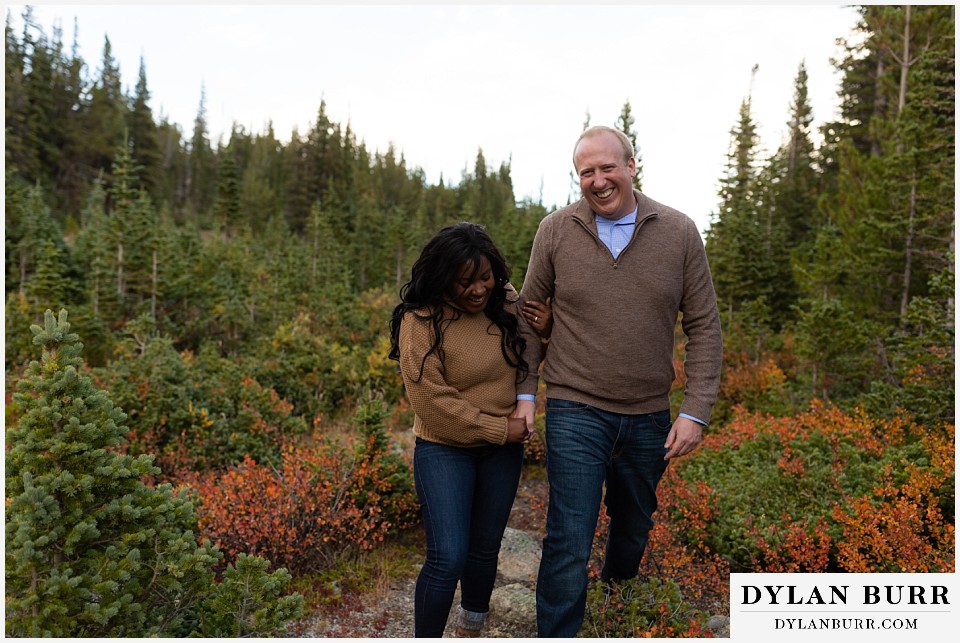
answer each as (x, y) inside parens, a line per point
(606, 177)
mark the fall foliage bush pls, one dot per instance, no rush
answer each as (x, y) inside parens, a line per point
(321, 501)
(825, 490)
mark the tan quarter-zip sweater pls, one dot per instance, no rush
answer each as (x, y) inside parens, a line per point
(613, 332)
(464, 398)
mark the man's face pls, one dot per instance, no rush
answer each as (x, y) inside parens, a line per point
(606, 180)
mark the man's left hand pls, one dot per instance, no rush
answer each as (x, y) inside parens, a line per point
(683, 438)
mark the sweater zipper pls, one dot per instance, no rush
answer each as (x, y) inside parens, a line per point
(616, 260)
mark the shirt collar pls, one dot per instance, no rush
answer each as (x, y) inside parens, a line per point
(627, 219)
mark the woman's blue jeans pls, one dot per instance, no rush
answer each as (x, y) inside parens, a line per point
(466, 495)
(586, 447)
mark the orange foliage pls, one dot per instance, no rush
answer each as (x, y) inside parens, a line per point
(901, 528)
(699, 572)
(866, 433)
(743, 378)
(319, 503)
(790, 547)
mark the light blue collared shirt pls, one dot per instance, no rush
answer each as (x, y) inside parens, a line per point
(615, 235)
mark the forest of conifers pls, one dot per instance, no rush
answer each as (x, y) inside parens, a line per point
(232, 302)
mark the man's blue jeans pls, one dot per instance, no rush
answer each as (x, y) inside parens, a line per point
(466, 495)
(585, 448)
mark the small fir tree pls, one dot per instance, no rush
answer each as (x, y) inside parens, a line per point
(90, 549)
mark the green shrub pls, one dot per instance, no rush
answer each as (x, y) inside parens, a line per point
(195, 413)
(640, 608)
(248, 602)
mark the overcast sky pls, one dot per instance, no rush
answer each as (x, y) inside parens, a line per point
(443, 80)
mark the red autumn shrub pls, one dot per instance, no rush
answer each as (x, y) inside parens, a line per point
(320, 502)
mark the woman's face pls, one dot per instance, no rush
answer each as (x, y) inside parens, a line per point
(471, 288)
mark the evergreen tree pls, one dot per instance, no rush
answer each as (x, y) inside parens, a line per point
(174, 168)
(201, 167)
(798, 181)
(94, 250)
(262, 180)
(20, 154)
(40, 115)
(226, 208)
(748, 242)
(887, 195)
(625, 124)
(90, 549)
(735, 238)
(30, 226)
(47, 287)
(73, 173)
(106, 116)
(145, 148)
(296, 192)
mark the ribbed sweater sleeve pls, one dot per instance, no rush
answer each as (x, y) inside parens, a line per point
(463, 403)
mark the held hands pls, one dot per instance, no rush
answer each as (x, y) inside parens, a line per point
(539, 316)
(517, 430)
(683, 437)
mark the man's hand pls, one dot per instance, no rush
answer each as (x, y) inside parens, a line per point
(524, 410)
(684, 437)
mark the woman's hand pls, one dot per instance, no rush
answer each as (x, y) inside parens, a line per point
(517, 430)
(539, 316)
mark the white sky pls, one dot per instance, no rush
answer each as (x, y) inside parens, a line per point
(442, 80)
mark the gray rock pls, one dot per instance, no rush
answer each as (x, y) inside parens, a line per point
(519, 555)
(514, 604)
(719, 625)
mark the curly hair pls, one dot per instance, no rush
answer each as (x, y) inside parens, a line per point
(433, 274)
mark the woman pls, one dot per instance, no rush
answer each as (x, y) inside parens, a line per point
(455, 336)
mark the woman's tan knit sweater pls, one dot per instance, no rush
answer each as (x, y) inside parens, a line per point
(465, 398)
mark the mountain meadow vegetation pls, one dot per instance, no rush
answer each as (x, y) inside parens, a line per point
(204, 434)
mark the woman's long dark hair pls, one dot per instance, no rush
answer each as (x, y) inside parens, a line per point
(434, 272)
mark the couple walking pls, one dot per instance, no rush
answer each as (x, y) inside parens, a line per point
(606, 280)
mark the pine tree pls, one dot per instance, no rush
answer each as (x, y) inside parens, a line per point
(91, 550)
(625, 124)
(47, 287)
(106, 116)
(890, 201)
(174, 168)
(20, 155)
(201, 167)
(262, 180)
(798, 182)
(226, 208)
(748, 242)
(31, 226)
(72, 177)
(145, 148)
(735, 238)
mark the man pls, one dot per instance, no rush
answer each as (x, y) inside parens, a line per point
(619, 267)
